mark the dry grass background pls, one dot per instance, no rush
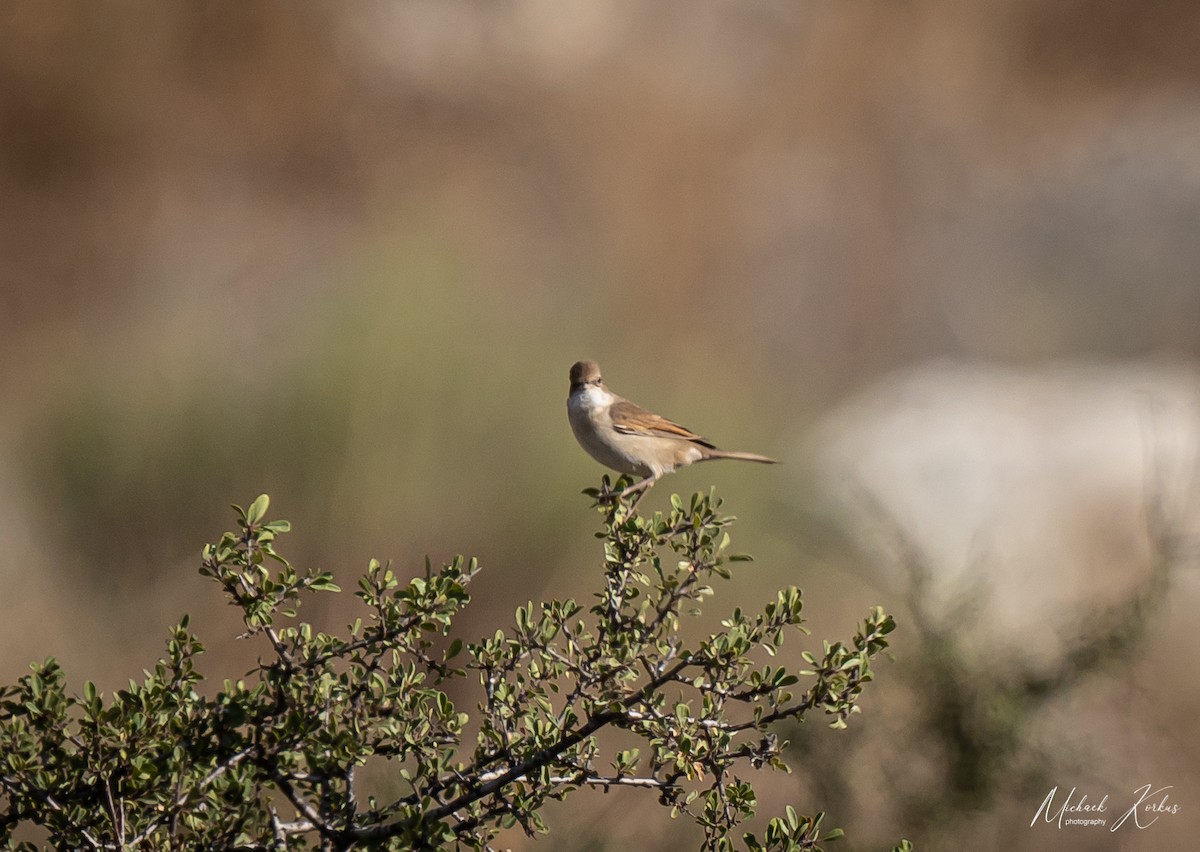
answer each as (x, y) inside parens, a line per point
(942, 255)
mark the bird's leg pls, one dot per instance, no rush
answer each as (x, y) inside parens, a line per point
(641, 489)
(644, 484)
(638, 498)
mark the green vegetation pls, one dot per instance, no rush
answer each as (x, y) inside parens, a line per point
(355, 741)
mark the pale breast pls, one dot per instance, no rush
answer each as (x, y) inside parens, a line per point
(588, 413)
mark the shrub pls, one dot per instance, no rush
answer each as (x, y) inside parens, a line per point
(270, 761)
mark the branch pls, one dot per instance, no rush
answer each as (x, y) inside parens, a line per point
(181, 800)
(616, 781)
(11, 785)
(524, 768)
(306, 810)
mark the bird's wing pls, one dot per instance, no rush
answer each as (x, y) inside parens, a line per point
(630, 419)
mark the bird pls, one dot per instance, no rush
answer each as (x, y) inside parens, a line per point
(631, 440)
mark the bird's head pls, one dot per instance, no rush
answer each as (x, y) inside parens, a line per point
(585, 373)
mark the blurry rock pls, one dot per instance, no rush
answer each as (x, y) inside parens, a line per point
(1016, 509)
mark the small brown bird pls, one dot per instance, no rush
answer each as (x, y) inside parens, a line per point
(630, 439)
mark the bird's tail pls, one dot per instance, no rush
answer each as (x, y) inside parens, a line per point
(732, 454)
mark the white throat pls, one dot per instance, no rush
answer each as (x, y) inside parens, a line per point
(591, 398)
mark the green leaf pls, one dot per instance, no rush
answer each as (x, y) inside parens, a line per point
(324, 583)
(257, 509)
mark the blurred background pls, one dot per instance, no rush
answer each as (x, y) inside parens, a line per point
(940, 258)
